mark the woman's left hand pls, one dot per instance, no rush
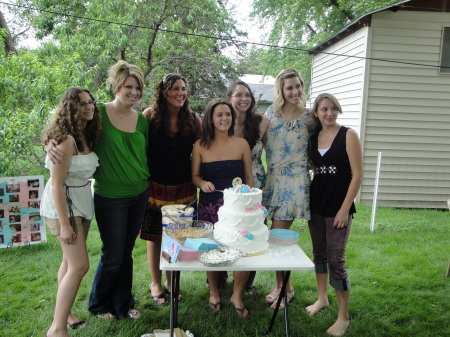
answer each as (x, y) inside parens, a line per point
(341, 219)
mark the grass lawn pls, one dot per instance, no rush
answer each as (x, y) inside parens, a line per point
(397, 276)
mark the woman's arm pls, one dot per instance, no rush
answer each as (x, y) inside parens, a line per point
(354, 153)
(196, 162)
(148, 113)
(59, 174)
(263, 127)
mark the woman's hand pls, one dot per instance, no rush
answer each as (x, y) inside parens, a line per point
(208, 187)
(67, 235)
(55, 154)
(341, 219)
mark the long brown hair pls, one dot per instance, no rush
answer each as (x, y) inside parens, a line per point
(207, 124)
(66, 121)
(252, 119)
(160, 119)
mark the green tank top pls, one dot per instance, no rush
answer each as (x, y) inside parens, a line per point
(123, 170)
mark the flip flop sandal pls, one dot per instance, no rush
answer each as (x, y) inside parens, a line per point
(251, 290)
(272, 297)
(290, 298)
(216, 307)
(160, 297)
(168, 293)
(76, 325)
(241, 311)
(134, 314)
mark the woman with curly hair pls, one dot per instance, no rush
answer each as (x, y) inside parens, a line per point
(120, 192)
(173, 131)
(67, 204)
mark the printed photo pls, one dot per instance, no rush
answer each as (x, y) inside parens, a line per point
(33, 183)
(14, 218)
(2, 213)
(15, 228)
(34, 227)
(16, 238)
(34, 204)
(33, 194)
(13, 198)
(1, 226)
(2, 239)
(35, 217)
(2, 192)
(35, 236)
(14, 209)
(12, 188)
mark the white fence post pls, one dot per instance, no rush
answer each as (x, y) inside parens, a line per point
(375, 193)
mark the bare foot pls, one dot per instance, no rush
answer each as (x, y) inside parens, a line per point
(54, 332)
(316, 307)
(339, 327)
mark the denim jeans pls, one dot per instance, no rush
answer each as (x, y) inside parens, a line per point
(119, 221)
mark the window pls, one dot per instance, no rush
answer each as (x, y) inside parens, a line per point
(445, 53)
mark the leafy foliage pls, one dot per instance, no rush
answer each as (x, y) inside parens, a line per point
(303, 24)
(144, 33)
(30, 86)
(86, 38)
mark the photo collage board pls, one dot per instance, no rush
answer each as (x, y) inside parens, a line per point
(20, 219)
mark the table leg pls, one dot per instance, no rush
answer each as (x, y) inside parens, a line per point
(283, 296)
(174, 291)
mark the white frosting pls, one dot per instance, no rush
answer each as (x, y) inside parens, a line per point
(241, 222)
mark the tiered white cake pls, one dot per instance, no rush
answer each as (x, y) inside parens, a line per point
(241, 221)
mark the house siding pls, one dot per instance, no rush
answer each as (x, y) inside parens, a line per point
(342, 76)
(408, 112)
(400, 108)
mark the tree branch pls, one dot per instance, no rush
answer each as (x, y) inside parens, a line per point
(9, 43)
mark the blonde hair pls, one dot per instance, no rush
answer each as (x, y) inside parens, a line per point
(119, 72)
(278, 99)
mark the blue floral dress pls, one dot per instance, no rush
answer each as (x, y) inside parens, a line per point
(286, 194)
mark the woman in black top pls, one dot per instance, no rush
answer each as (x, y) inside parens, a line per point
(335, 153)
(172, 132)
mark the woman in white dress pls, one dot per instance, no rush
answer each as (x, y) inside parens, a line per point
(67, 203)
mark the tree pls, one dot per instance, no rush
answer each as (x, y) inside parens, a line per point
(303, 24)
(31, 84)
(144, 32)
(8, 41)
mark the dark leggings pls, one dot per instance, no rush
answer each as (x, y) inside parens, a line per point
(329, 245)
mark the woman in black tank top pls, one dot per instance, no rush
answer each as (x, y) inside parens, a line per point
(335, 153)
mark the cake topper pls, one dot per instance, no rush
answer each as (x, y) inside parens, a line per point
(237, 181)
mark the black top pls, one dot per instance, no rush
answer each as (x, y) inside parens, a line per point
(332, 176)
(169, 156)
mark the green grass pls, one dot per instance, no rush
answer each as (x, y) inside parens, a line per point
(397, 275)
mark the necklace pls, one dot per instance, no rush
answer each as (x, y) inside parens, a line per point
(121, 116)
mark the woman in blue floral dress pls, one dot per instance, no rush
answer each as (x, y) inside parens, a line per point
(286, 194)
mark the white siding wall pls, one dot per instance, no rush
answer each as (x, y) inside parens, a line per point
(408, 112)
(342, 77)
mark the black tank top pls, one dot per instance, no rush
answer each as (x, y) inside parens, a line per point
(332, 176)
(169, 157)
